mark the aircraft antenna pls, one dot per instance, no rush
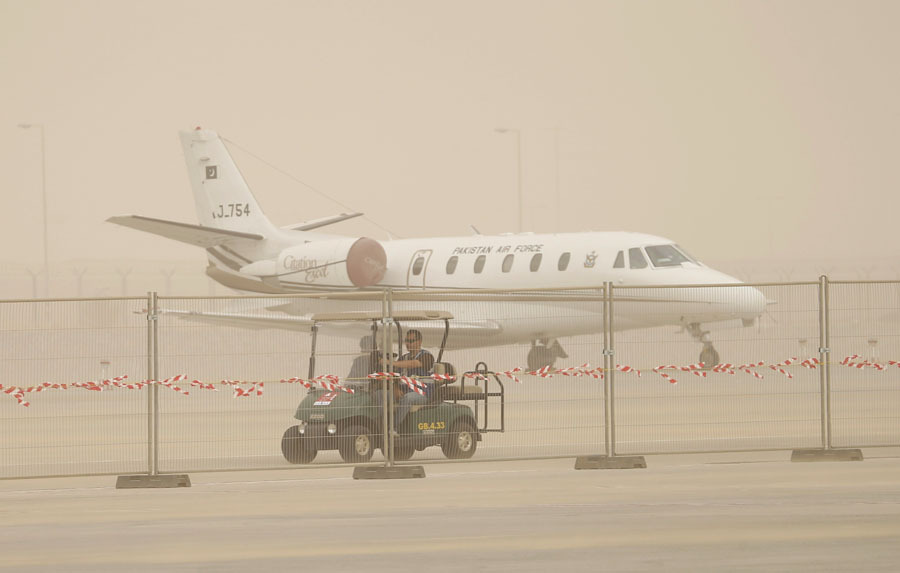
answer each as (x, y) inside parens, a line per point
(305, 184)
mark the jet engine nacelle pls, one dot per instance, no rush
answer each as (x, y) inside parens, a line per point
(359, 262)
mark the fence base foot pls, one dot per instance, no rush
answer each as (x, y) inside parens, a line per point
(394, 472)
(823, 455)
(609, 462)
(143, 481)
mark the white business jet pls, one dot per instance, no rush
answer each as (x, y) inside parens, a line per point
(248, 253)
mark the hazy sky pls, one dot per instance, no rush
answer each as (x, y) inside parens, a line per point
(742, 130)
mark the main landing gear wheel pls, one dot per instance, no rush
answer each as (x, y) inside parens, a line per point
(545, 353)
(540, 356)
(295, 448)
(461, 441)
(356, 446)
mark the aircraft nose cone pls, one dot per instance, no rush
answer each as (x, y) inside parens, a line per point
(756, 301)
(748, 303)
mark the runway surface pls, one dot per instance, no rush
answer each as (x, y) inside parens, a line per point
(747, 512)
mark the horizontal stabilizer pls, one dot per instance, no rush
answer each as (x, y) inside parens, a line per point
(316, 223)
(191, 234)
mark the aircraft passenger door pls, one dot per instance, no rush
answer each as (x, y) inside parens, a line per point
(415, 274)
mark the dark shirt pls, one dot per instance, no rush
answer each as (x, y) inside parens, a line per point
(422, 356)
(427, 360)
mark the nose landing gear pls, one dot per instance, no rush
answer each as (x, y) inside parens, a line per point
(709, 356)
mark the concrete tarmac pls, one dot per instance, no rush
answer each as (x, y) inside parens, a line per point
(735, 512)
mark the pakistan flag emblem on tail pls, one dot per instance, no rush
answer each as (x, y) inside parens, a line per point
(212, 172)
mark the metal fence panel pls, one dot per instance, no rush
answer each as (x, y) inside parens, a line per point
(231, 408)
(240, 425)
(559, 414)
(77, 428)
(865, 340)
(718, 411)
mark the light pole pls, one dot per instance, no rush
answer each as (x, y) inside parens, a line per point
(556, 172)
(518, 135)
(43, 202)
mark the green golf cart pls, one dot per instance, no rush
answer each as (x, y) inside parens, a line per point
(454, 415)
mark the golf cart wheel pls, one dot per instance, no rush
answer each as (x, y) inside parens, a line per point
(356, 445)
(295, 448)
(461, 441)
(403, 452)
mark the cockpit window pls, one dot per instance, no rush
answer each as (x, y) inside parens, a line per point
(690, 257)
(620, 261)
(666, 256)
(636, 259)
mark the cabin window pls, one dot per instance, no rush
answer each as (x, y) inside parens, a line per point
(563, 263)
(507, 263)
(479, 263)
(620, 261)
(451, 264)
(636, 259)
(536, 262)
(417, 265)
(665, 256)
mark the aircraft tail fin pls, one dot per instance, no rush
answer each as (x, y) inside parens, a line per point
(221, 195)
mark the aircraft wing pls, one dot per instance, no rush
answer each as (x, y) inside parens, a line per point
(429, 328)
(243, 320)
(197, 235)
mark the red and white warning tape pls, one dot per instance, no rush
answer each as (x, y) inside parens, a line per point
(511, 374)
(475, 376)
(255, 389)
(413, 384)
(541, 372)
(849, 361)
(780, 367)
(332, 383)
(625, 368)
(19, 392)
(748, 368)
(695, 369)
(301, 381)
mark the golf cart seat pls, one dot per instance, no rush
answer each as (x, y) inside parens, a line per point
(462, 391)
(436, 387)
